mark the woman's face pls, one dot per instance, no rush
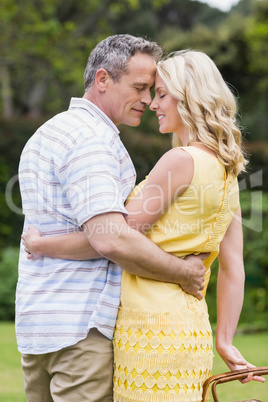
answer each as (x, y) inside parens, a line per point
(165, 106)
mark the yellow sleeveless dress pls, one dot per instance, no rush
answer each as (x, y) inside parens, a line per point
(163, 339)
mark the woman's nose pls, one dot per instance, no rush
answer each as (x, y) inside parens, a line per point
(154, 105)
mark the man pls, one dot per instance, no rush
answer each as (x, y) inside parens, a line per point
(75, 172)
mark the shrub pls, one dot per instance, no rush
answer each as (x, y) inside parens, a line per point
(8, 281)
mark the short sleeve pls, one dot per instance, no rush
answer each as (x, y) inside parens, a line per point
(90, 179)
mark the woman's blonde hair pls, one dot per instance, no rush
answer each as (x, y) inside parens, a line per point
(206, 105)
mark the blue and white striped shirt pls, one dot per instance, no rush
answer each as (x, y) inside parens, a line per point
(73, 168)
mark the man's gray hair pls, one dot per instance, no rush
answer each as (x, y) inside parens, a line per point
(113, 54)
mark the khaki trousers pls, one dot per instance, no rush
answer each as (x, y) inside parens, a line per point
(78, 373)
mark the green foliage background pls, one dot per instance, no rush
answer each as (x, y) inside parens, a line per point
(41, 68)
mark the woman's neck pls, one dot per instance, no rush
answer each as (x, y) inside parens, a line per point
(184, 137)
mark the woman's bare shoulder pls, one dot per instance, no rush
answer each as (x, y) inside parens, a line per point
(176, 158)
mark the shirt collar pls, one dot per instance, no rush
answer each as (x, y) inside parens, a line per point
(93, 110)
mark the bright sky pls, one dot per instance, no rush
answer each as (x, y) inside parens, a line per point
(223, 5)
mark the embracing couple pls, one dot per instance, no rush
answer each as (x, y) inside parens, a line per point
(110, 298)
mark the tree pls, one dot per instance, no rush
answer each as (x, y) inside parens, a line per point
(42, 61)
(257, 37)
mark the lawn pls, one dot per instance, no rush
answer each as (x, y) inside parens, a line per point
(11, 383)
(253, 346)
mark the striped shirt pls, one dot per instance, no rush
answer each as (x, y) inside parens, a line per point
(73, 168)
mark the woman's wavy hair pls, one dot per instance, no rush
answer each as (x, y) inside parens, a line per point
(206, 105)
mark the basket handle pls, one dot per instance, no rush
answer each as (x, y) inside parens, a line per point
(229, 376)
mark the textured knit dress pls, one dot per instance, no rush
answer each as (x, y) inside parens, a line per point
(163, 338)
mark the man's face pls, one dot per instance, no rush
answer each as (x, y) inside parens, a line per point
(127, 99)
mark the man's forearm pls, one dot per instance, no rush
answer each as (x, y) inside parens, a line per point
(140, 256)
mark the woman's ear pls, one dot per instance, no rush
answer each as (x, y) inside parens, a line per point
(101, 79)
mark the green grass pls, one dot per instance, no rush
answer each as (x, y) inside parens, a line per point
(254, 347)
(11, 383)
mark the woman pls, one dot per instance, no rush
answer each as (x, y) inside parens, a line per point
(188, 204)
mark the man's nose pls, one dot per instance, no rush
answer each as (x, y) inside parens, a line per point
(147, 98)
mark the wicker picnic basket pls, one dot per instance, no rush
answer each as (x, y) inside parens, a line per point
(231, 376)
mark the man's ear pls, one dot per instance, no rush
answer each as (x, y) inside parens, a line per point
(101, 79)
